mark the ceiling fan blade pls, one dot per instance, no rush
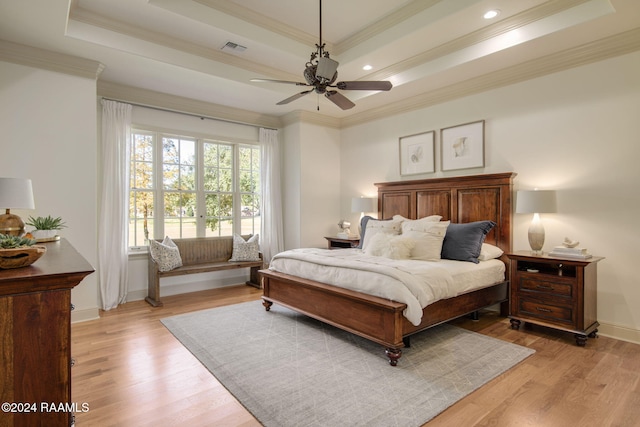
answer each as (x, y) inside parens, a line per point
(279, 81)
(339, 99)
(294, 97)
(364, 85)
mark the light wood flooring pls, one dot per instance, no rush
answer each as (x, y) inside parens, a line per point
(132, 372)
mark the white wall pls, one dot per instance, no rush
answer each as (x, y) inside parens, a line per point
(311, 184)
(48, 123)
(575, 131)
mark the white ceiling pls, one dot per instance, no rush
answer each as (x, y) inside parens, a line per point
(431, 50)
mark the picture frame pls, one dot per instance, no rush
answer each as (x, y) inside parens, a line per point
(462, 146)
(417, 153)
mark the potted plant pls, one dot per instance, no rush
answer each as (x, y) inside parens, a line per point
(45, 227)
(18, 251)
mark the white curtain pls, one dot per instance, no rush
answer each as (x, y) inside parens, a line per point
(271, 238)
(112, 226)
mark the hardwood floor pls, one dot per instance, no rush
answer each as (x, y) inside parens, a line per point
(131, 371)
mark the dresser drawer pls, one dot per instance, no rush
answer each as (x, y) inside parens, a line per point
(544, 311)
(539, 285)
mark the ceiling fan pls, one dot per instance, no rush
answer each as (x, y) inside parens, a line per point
(320, 73)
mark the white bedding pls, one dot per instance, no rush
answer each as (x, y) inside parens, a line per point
(415, 283)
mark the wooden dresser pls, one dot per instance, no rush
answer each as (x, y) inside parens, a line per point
(555, 292)
(35, 337)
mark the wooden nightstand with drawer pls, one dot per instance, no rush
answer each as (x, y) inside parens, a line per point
(554, 292)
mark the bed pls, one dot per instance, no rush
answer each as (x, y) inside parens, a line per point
(460, 200)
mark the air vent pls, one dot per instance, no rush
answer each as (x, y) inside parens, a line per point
(233, 47)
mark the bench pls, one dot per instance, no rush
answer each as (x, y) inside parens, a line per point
(200, 255)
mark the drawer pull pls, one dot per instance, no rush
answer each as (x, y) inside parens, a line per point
(544, 287)
(544, 310)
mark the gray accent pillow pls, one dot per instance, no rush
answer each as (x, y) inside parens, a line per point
(165, 254)
(363, 227)
(245, 250)
(463, 242)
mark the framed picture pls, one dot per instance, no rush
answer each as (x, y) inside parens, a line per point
(462, 146)
(417, 153)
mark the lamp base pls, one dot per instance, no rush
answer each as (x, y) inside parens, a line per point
(536, 236)
(11, 225)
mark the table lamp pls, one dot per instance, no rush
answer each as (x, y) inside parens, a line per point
(15, 193)
(364, 204)
(536, 202)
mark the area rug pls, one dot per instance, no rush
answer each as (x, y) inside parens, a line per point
(290, 370)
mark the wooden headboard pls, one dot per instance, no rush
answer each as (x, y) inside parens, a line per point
(459, 199)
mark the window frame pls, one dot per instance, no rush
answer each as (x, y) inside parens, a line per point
(157, 226)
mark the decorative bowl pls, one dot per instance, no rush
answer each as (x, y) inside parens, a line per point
(20, 257)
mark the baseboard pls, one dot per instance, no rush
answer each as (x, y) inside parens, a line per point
(183, 288)
(85, 315)
(618, 332)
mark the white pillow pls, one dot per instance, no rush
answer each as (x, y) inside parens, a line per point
(430, 218)
(376, 226)
(488, 252)
(165, 254)
(390, 246)
(245, 250)
(428, 236)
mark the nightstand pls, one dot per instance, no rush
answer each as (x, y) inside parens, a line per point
(337, 243)
(554, 292)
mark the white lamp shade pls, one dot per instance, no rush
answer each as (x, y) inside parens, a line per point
(364, 204)
(16, 193)
(536, 201)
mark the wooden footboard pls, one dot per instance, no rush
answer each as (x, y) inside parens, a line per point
(371, 317)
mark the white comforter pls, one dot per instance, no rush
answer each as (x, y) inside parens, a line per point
(415, 283)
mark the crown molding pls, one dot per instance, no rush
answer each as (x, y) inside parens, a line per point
(619, 44)
(301, 116)
(49, 60)
(502, 27)
(395, 18)
(93, 19)
(178, 104)
(273, 25)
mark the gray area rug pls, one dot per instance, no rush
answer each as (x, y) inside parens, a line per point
(290, 370)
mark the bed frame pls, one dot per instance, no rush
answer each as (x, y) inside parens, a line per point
(459, 199)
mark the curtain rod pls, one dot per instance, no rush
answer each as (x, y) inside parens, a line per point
(185, 113)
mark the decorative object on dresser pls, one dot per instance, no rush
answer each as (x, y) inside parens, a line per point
(45, 228)
(417, 153)
(340, 243)
(462, 146)
(35, 326)
(17, 252)
(536, 202)
(570, 249)
(15, 193)
(202, 255)
(556, 292)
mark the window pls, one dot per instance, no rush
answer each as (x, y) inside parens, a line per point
(183, 186)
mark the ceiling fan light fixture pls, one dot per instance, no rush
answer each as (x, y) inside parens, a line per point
(326, 68)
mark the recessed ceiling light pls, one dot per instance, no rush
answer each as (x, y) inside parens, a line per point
(367, 67)
(492, 14)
